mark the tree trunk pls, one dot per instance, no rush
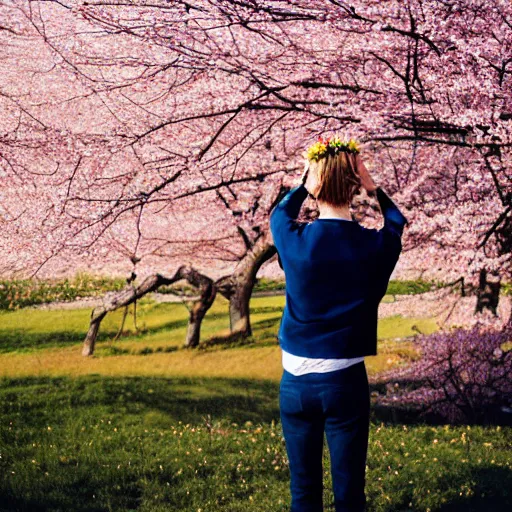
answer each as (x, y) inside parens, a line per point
(200, 307)
(92, 333)
(488, 292)
(125, 297)
(237, 287)
(239, 313)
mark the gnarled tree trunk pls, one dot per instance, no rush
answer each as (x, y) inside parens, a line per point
(237, 287)
(200, 307)
(127, 296)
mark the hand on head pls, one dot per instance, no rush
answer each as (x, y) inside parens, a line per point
(366, 181)
(309, 178)
(310, 181)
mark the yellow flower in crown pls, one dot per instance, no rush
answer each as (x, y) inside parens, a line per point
(316, 151)
(331, 146)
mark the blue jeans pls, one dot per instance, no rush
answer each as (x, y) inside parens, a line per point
(339, 403)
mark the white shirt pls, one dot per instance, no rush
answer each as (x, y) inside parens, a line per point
(298, 365)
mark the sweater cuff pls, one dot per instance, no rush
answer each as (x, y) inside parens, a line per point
(390, 210)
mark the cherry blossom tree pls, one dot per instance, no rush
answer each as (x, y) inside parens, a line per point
(462, 377)
(206, 106)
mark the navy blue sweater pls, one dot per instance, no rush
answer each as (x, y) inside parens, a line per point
(336, 272)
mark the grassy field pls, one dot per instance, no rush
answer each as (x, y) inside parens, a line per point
(147, 425)
(48, 342)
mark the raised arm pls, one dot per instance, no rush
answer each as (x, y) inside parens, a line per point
(388, 240)
(283, 217)
(388, 243)
(394, 219)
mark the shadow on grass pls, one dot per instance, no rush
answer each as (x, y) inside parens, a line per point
(39, 399)
(16, 503)
(77, 496)
(21, 340)
(485, 478)
(186, 399)
(31, 404)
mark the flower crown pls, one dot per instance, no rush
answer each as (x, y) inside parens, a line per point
(331, 146)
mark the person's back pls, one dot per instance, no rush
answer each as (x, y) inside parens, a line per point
(336, 273)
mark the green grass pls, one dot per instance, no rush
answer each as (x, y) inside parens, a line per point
(162, 324)
(199, 430)
(48, 342)
(96, 443)
(29, 329)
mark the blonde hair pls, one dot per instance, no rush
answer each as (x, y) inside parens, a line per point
(338, 180)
